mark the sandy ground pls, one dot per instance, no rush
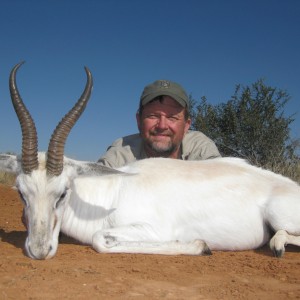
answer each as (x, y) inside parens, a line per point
(78, 272)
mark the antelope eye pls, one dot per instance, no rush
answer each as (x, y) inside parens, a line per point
(61, 198)
(22, 198)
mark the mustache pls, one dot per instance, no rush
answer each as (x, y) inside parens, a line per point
(163, 132)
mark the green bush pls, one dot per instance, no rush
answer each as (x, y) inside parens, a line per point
(251, 125)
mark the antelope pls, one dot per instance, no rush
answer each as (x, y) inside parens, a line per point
(152, 206)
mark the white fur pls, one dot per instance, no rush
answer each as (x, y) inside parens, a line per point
(162, 206)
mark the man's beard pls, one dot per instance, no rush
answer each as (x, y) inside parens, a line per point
(163, 149)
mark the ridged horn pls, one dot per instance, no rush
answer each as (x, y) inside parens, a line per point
(55, 154)
(29, 135)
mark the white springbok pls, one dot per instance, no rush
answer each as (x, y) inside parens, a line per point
(154, 206)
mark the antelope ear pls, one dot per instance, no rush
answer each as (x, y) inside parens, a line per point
(97, 169)
(90, 168)
(9, 163)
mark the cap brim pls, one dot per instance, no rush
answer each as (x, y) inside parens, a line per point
(149, 98)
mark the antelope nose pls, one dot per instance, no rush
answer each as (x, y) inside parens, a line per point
(40, 255)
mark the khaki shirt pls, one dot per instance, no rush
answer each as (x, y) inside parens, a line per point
(195, 146)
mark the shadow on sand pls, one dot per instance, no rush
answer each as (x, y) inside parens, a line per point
(15, 238)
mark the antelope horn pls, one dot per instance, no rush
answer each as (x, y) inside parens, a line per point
(55, 154)
(29, 135)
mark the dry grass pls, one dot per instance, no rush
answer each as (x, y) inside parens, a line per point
(7, 178)
(296, 173)
(291, 170)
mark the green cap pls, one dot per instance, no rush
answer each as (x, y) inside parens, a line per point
(164, 88)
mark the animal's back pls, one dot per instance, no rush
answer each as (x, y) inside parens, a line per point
(221, 201)
(201, 199)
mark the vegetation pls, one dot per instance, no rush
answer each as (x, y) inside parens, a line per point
(7, 178)
(252, 125)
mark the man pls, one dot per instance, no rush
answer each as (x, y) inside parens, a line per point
(163, 121)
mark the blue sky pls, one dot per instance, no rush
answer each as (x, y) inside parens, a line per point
(206, 46)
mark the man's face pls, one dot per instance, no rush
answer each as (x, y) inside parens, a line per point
(162, 126)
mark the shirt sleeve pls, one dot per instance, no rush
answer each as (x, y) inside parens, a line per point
(121, 152)
(197, 146)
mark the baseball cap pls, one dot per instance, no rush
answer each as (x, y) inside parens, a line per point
(166, 88)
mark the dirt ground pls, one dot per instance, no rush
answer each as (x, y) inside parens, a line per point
(78, 272)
